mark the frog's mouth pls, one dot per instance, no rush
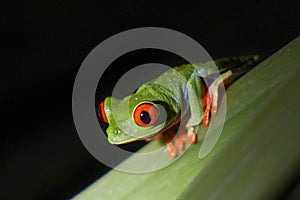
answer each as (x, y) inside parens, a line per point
(149, 135)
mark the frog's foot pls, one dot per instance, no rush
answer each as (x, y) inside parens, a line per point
(207, 103)
(211, 98)
(172, 139)
(190, 136)
(176, 143)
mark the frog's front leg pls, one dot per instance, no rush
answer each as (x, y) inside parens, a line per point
(194, 92)
(177, 136)
(193, 117)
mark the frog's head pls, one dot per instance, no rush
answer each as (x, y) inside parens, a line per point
(134, 117)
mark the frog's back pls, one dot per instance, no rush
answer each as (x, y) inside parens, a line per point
(176, 77)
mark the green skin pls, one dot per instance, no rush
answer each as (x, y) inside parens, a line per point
(179, 90)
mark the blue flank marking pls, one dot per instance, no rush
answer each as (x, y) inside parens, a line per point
(185, 95)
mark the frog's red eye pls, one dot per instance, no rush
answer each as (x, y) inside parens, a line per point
(145, 114)
(101, 112)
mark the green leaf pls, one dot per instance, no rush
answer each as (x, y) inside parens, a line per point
(256, 156)
(263, 156)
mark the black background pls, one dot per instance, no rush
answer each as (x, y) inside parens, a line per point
(43, 44)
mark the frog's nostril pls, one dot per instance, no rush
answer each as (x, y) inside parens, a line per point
(117, 131)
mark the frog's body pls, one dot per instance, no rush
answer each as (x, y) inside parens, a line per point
(158, 105)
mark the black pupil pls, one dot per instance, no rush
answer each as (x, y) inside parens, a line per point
(145, 117)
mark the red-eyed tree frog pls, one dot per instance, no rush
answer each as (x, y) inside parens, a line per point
(157, 107)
